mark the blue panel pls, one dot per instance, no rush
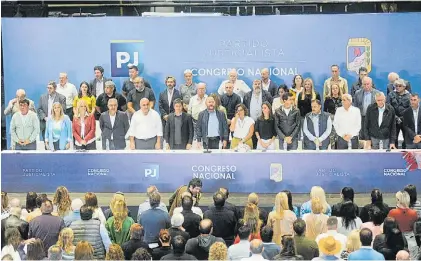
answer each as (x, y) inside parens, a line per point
(240, 172)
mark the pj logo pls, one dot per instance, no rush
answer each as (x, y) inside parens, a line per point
(124, 53)
(151, 171)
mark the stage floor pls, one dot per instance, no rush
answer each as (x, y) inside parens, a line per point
(239, 199)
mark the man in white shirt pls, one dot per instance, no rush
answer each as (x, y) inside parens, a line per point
(145, 130)
(240, 87)
(256, 249)
(332, 230)
(347, 124)
(69, 91)
(197, 104)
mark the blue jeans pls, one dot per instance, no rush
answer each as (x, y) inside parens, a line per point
(375, 144)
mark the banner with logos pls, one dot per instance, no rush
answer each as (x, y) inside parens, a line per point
(36, 50)
(264, 172)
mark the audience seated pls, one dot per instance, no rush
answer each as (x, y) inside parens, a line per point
(329, 248)
(305, 247)
(223, 220)
(135, 242)
(391, 240)
(165, 245)
(270, 249)
(256, 249)
(199, 246)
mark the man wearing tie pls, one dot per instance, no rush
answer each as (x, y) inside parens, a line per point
(412, 123)
(114, 125)
(166, 99)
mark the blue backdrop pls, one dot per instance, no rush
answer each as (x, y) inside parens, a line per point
(37, 50)
(264, 172)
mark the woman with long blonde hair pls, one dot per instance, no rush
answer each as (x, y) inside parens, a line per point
(119, 224)
(84, 127)
(305, 97)
(316, 192)
(281, 219)
(117, 196)
(353, 243)
(58, 130)
(316, 221)
(251, 219)
(65, 241)
(62, 201)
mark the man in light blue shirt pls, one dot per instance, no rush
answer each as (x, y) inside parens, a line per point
(213, 125)
(317, 128)
(366, 252)
(242, 249)
(146, 205)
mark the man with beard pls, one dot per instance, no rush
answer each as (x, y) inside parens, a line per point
(194, 187)
(138, 93)
(166, 99)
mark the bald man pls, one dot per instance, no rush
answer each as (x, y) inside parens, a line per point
(199, 246)
(13, 105)
(403, 255)
(145, 130)
(69, 91)
(267, 84)
(240, 87)
(364, 98)
(256, 249)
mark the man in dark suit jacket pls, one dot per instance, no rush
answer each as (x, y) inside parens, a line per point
(114, 125)
(178, 132)
(211, 140)
(412, 123)
(166, 99)
(360, 103)
(268, 84)
(386, 132)
(99, 80)
(46, 105)
(392, 77)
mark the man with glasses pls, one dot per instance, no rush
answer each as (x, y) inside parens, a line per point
(46, 104)
(138, 93)
(336, 78)
(24, 128)
(399, 99)
(14, 106)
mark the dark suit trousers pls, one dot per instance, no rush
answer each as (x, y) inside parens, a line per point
(399, 127)
(178, 147)
(362, 129)
(341, 144)
(90, 146)
(212, 143)
(69, 112)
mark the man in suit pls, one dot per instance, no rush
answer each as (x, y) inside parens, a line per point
(366, 252)
(114, 125)
(363, 98)
(288, 123)
(46, 105)
(412, 123)
(212, 127)
(268, 84)
(179, 128)
(380, 124)
(166, 99)
(97, 85)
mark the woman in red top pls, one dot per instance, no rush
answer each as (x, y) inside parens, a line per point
(252, 220)
(404, 216)
(84, 128)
